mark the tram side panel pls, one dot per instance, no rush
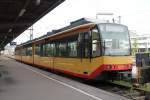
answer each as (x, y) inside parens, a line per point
(27, 54)
(36, 56)
(40, 57)
(17, 54)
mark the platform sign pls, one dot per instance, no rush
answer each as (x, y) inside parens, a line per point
(13, 43)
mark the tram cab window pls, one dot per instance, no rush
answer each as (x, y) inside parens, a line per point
(95, 42)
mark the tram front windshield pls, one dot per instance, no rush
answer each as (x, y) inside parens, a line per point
(115, 39)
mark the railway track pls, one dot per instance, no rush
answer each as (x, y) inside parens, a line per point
(127, 91)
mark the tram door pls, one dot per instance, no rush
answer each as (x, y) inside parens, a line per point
(84, 45)
(84, 51)
(49, 54)
(89, 49)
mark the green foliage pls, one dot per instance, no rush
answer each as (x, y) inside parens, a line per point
(134, 47)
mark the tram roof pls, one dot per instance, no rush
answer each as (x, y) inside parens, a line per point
(73, 24)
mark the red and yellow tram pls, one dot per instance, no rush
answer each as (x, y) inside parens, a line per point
(86, 49)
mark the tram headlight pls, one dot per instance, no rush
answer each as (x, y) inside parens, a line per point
(109, 67)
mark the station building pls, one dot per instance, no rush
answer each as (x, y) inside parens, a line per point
(142, 42)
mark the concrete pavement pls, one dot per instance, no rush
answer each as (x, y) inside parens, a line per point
(23, 82)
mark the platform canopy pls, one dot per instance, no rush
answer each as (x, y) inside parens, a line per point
(18, 15)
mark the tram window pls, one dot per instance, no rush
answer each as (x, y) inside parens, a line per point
(42, 50)
(37, 50)
(21, 50)
(17, 52)
(49, 49)
(63, 49)
(72, 48)
(95, 42)
(80, 45)
(24, 51)
(53, 49)
(56, 49)
(86, 44)
(29, 51)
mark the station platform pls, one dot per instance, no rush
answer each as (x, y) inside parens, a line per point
(23, 82)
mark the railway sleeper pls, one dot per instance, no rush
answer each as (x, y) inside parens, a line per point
(139, 98)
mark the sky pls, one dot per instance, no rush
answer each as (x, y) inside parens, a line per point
(134, 13)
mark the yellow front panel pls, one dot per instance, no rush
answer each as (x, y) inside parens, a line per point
(117, 60)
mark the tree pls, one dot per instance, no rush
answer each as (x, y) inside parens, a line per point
(134, 47)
